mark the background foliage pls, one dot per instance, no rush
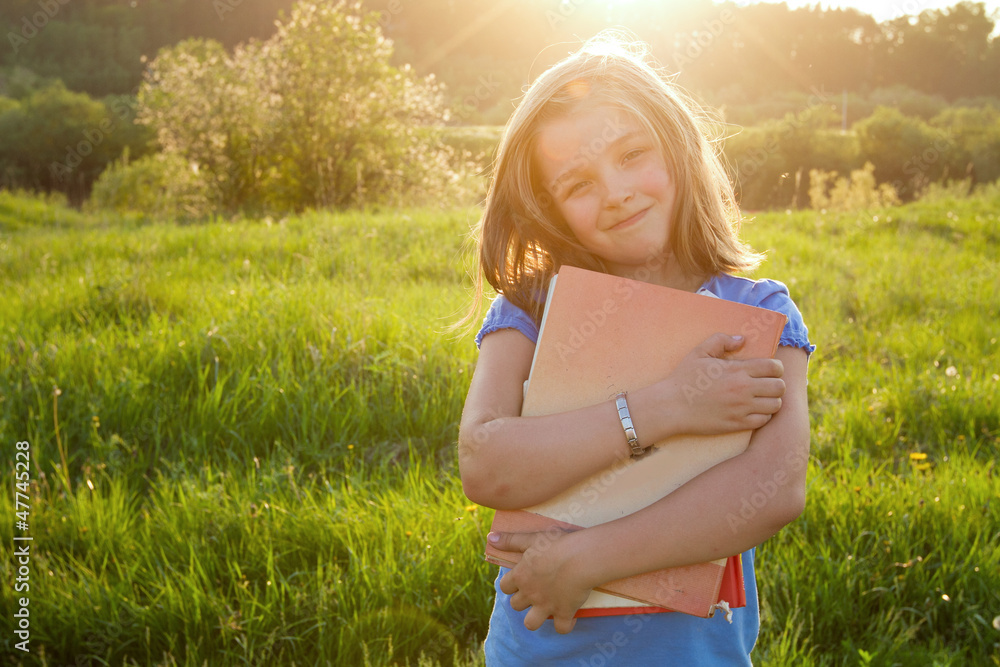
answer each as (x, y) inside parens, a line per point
(754, 52)
(54, 139)
(291, 123)
(791, 78)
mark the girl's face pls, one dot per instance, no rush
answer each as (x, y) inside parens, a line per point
(608, 180)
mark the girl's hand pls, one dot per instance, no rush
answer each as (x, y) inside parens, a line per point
(721, 395)
(544, 579)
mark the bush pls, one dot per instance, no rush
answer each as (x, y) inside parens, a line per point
(769, 163)
(45, 141)
(975, 133)
(907, 152)
(55, 140)
(161, 186)
(314, 117)
(477, 142)
(908, 101)
(856, 193)
(757, 167)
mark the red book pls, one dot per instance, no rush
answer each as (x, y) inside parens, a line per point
(601, 335)
(680, 589)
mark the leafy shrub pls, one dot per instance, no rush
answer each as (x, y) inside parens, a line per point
(908, 101)
(476, 142)
(161, 186)
(55, 140)
(757, 166)
(18, 82)
(854, 193)
(907, 152)
(44, 140)
(975, 133)
(952, 191)
(314, 117)
(769, 162)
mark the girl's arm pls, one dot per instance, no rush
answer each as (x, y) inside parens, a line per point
(729, 508)
(509, 462)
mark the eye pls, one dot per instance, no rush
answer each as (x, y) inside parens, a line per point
(633, 154)
(576, 187)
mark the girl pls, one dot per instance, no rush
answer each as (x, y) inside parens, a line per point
(604, 166)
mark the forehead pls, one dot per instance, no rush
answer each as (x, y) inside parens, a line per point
(583, 133)
(569, 142)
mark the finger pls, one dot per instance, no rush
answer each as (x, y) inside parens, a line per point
(766, 406)
(756, 421)
(764, 368)
(769, 388)
(564, 625)
(733, 343)
(519, 542)
(519, 601)
(720, 344)
(507, 584)
(534, 619)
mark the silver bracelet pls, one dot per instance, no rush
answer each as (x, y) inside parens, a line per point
(626, 418)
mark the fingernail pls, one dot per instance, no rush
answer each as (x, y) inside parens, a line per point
(737, 338)
(493, 537)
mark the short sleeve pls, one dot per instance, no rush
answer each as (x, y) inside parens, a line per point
(770, 294)
(505, 315)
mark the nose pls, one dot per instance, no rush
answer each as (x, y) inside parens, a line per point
(620, 189)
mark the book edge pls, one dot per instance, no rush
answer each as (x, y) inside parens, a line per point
(541, 329)
(692, 602)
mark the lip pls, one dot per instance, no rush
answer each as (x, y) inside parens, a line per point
(628, 222)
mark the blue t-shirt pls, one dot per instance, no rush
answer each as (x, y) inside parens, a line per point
(642, 639)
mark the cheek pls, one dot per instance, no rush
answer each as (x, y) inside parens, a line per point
(577, 213)
(657, 180)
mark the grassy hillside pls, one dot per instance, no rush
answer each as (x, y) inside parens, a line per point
(257, 422)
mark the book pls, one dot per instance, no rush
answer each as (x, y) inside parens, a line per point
(631, 595)
(601, 335)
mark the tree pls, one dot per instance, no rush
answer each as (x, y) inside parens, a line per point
(975, 132)
(315, 116)
(907, 153)
(211, 109)
(942, 51)
(55, 139)
(352, 128)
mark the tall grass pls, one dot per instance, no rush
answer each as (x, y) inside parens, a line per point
(258, 421)
(317, 331)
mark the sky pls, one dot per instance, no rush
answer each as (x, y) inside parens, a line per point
(884, 10)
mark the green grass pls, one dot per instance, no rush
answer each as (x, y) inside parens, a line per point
(266, 411)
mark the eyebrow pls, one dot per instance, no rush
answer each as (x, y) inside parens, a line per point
(560, 180)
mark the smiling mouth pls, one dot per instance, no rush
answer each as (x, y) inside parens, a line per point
(628, 222)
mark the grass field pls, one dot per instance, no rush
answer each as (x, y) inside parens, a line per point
(241, 439)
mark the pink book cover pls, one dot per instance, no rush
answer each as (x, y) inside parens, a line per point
(601, 335)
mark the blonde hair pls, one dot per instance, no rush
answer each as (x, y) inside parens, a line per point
(522, 240)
